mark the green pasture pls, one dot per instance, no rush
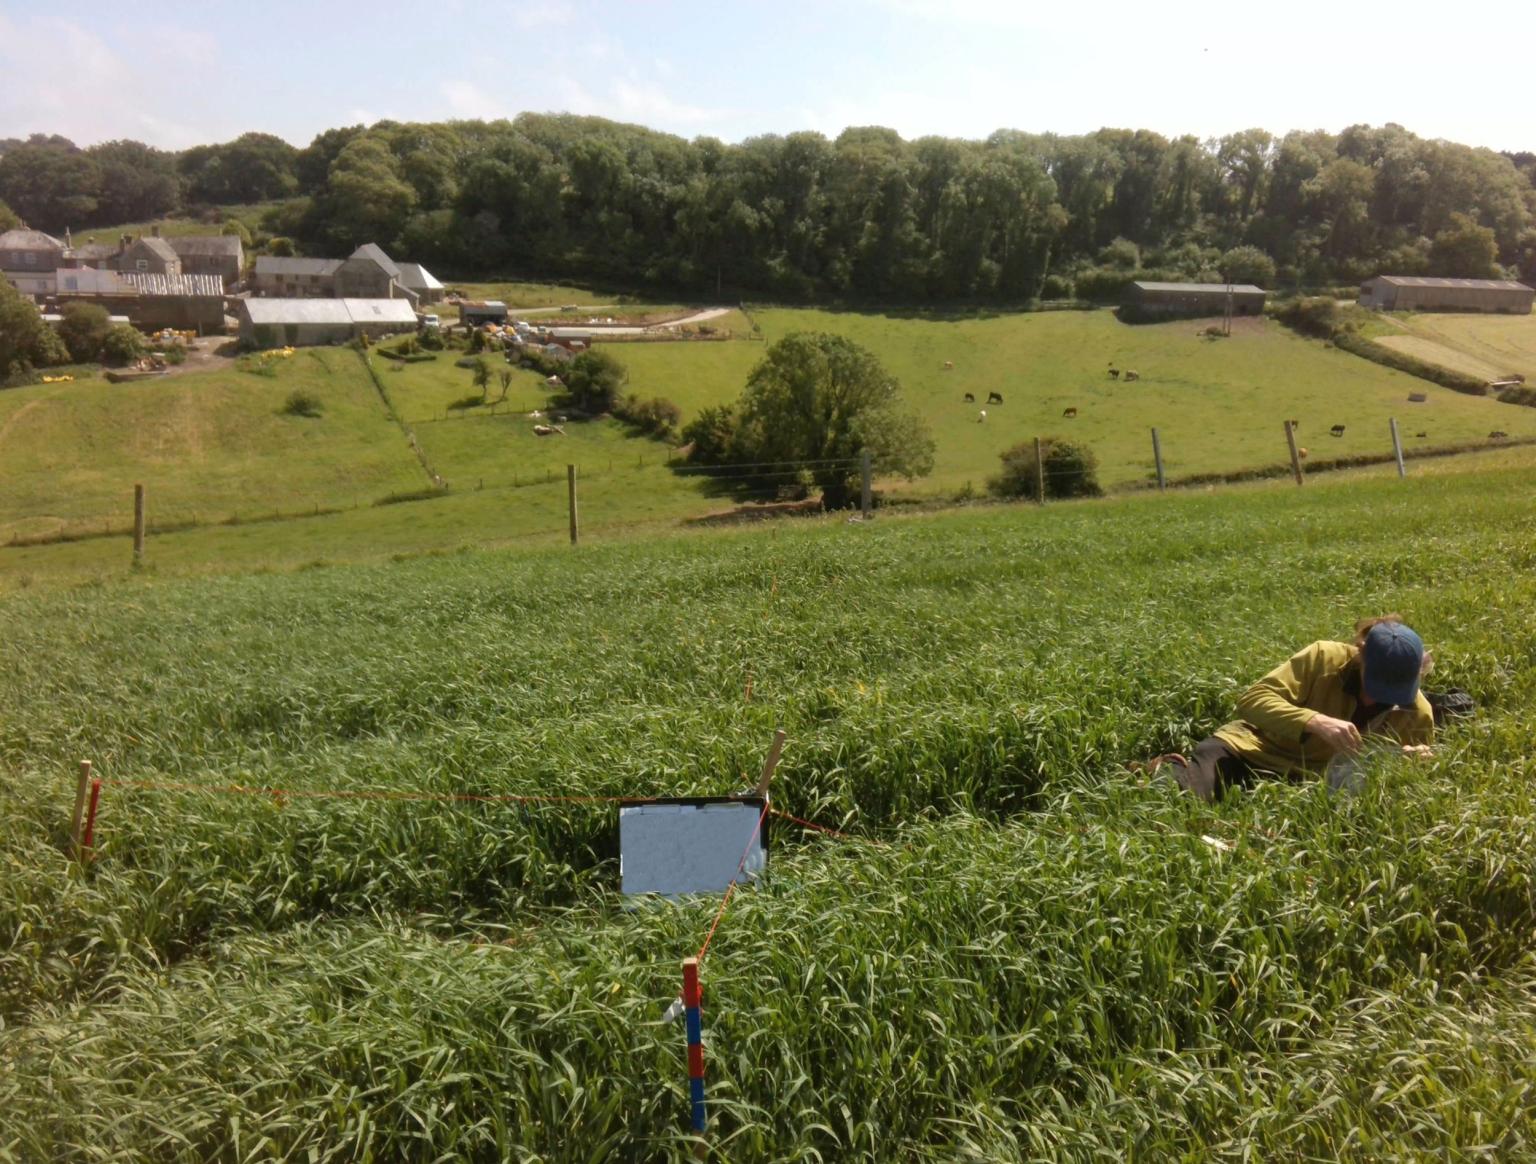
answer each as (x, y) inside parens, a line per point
(207, 446)
(247, 213)
(1219, 404)
(1024, 950)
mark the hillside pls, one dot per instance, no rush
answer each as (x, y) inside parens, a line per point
(1020, 949)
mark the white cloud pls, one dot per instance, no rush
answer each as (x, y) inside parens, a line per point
(542, 14)
(469, 101)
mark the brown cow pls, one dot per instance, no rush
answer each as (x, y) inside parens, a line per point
(1069, 412)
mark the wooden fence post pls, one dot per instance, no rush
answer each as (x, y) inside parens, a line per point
(1039, 473)
(1157, 459)
(570, 487)
(138, 525)
(1397, 449)
(1290, 439)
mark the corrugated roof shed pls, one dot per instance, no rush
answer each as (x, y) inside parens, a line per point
(281, 311)
(205, 244)
(1481, 284)
(198, 286)
(277, 265)
(1219, 288)
(93, 252)
(375, 252)
(418, 278)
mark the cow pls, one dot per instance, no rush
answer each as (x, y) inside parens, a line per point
(1421, 435)
(981, 417)
(1337, 430)
(994, 397)
(1301, 453)
(949, 365)
(1497, 434)
(1114, 373)
(1069, 412)
(1132, 375)
(543, 430)
(970, 398)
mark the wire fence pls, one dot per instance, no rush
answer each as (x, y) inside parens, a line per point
(548, 497)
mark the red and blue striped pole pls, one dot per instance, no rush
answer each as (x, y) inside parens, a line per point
(695, 1042)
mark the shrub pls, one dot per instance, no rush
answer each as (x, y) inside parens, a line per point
(303, 403)
(1057, 287)
(432, 339)
(712, 434)
(175, 354)
(123, 345)
(281, 246)
(1071, 470)
(408, 345)
(657, 417)
(84, 329)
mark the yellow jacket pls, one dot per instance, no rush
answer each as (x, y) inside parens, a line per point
(1271, 733)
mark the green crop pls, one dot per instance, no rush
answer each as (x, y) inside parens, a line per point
(1025, 950)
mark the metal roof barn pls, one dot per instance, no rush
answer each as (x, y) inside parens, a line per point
(1421, 293)
(1166, 300)
(298, 322)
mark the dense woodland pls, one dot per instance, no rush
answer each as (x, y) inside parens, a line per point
(866, 216)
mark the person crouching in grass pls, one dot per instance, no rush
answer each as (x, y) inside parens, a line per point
(1319, 704)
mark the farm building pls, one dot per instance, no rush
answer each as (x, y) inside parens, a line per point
(267, 323)
(490, 311)
(28, 259)
(368, 273)
(214, 254)
(293, 278)
(419, 281)
(183, 302)
(1415, 293)
(576, 339)
(149, 256)
(1170, 300)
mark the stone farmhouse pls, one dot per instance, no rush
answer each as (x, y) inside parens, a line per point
(367, 273)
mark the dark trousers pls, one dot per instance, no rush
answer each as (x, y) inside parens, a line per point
(1213, 768)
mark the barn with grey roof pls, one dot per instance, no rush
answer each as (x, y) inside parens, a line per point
(1147, 300)
(269, 323)
(1421, 293)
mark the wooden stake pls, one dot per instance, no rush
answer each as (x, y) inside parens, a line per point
(1157, 458)
(1290, 439)
(82, 787)
(771, 763)
(138, 525)
(570, 488)
(1039, 473)
(1397, 449)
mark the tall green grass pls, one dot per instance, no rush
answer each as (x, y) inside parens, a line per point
(1042, 957)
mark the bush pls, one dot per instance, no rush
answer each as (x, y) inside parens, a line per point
(432, 339)
(1071, 470)
(281, 246)
(1057, 287)
(712, 434)
(175, 354)
(408, 345)
(593, 380)
(1317, 316)
(303, 403)
(123, 345)
(657, 417)
(84, 330)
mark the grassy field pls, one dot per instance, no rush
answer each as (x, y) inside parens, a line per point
(206, 446)
(1044, 955)
(1219, 405)
(1491, 347)
(250, 214)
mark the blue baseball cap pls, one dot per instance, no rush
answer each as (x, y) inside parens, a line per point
(1393, 655)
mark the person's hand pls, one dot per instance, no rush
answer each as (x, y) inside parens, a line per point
(1419, 751)
(1338, 734)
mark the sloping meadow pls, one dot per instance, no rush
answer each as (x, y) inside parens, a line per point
(1023, 949)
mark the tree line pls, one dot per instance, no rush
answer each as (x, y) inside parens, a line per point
(867, 215)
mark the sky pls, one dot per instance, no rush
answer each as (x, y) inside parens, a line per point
(177, 74)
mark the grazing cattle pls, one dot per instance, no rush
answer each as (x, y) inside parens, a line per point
(949, 365)
(1301, 454)
(1336, 430)
(1114, 373)
(543, 430)
(1069, 412)
(1497, 434)
(970, 398)
(1418, 397)
(994, 397)
(981, 417)
(1421, 435)
(1130, 375)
